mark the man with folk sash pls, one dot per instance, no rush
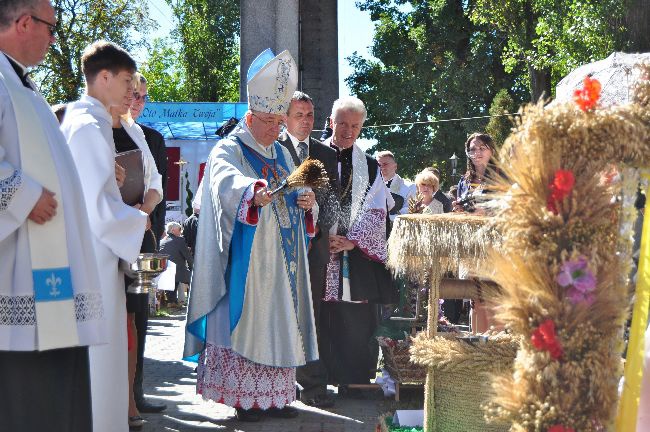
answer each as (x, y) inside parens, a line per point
(250, 321)
(51, 307)
(117, 229)
(357, 280)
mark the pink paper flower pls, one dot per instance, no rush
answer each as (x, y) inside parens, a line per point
(580, 281)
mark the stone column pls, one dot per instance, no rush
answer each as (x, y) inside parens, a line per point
(319, 55)
(267, 24)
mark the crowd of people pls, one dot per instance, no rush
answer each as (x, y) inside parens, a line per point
(285, 288)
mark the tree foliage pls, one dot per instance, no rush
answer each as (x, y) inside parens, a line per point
(207, 34)
(81, 22)
(501, 123)
(165, 78)
(552, 37)
(432, 63)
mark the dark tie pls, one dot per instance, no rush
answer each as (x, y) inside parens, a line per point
(302, 151)
(388, 183)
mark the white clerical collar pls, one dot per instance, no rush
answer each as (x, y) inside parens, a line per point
(394, 177)
(295, 141)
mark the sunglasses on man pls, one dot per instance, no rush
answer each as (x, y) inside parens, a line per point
(140, 97)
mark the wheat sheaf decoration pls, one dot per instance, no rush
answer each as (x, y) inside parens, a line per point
(569, 172)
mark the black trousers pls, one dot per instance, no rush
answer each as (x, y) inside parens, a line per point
(312, 377)
(138, 304)
(349, 350)
(45, 391)
(141, 320)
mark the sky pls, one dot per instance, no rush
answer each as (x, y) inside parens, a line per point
(355, 33)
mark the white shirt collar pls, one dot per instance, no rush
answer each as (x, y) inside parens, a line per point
(295, 143)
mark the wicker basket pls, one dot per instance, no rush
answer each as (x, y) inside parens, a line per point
(461, 372)
(397, 360)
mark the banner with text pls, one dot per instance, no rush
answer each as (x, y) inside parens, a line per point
(204, 112)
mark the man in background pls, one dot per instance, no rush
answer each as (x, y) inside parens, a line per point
(191, 227)
(174, 246)
(396, 184)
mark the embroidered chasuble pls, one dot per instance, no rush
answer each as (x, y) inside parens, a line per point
(251, 280)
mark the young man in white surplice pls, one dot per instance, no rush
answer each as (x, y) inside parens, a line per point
(117, 228)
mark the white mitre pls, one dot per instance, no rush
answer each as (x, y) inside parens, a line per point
(271, 82)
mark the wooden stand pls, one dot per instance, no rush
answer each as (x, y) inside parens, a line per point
(431, 245)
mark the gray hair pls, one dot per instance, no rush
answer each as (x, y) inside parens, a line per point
(349, 103)
(10, 10)
(170, 225)
(299, 96)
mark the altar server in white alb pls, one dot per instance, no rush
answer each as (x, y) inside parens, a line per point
(117, 228)
(250, 315)
(50, 302)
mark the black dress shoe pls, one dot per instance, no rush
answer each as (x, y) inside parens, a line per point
(319, 401)
(251, 415)
(150, 407)
(286, 412)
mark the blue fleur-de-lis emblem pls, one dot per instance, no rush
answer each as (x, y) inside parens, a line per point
(54, 282)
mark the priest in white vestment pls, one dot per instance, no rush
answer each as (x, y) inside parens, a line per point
(50, 303)
(117, 228)
(250, 320)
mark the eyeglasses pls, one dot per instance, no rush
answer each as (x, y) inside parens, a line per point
(271, 122)
(479, 149)
(51, 26)
(140, 97)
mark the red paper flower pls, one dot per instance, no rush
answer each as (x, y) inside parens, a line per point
(545, 339)
(560, 428)
(560, 188)
(587, 97)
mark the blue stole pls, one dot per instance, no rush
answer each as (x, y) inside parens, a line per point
(287, 216)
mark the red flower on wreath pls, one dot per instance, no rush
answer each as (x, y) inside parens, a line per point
(560, 187)
(587, 97)
(560, 428)
(545, 339)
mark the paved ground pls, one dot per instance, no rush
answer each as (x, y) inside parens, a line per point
(168, 379)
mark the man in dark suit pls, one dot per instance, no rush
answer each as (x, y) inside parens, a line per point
(300, 122)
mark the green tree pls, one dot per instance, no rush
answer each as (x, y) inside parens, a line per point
(166, 80)
(551, 37)
(124, 22)
(432, 63)
(207, 34)
(501, 123)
